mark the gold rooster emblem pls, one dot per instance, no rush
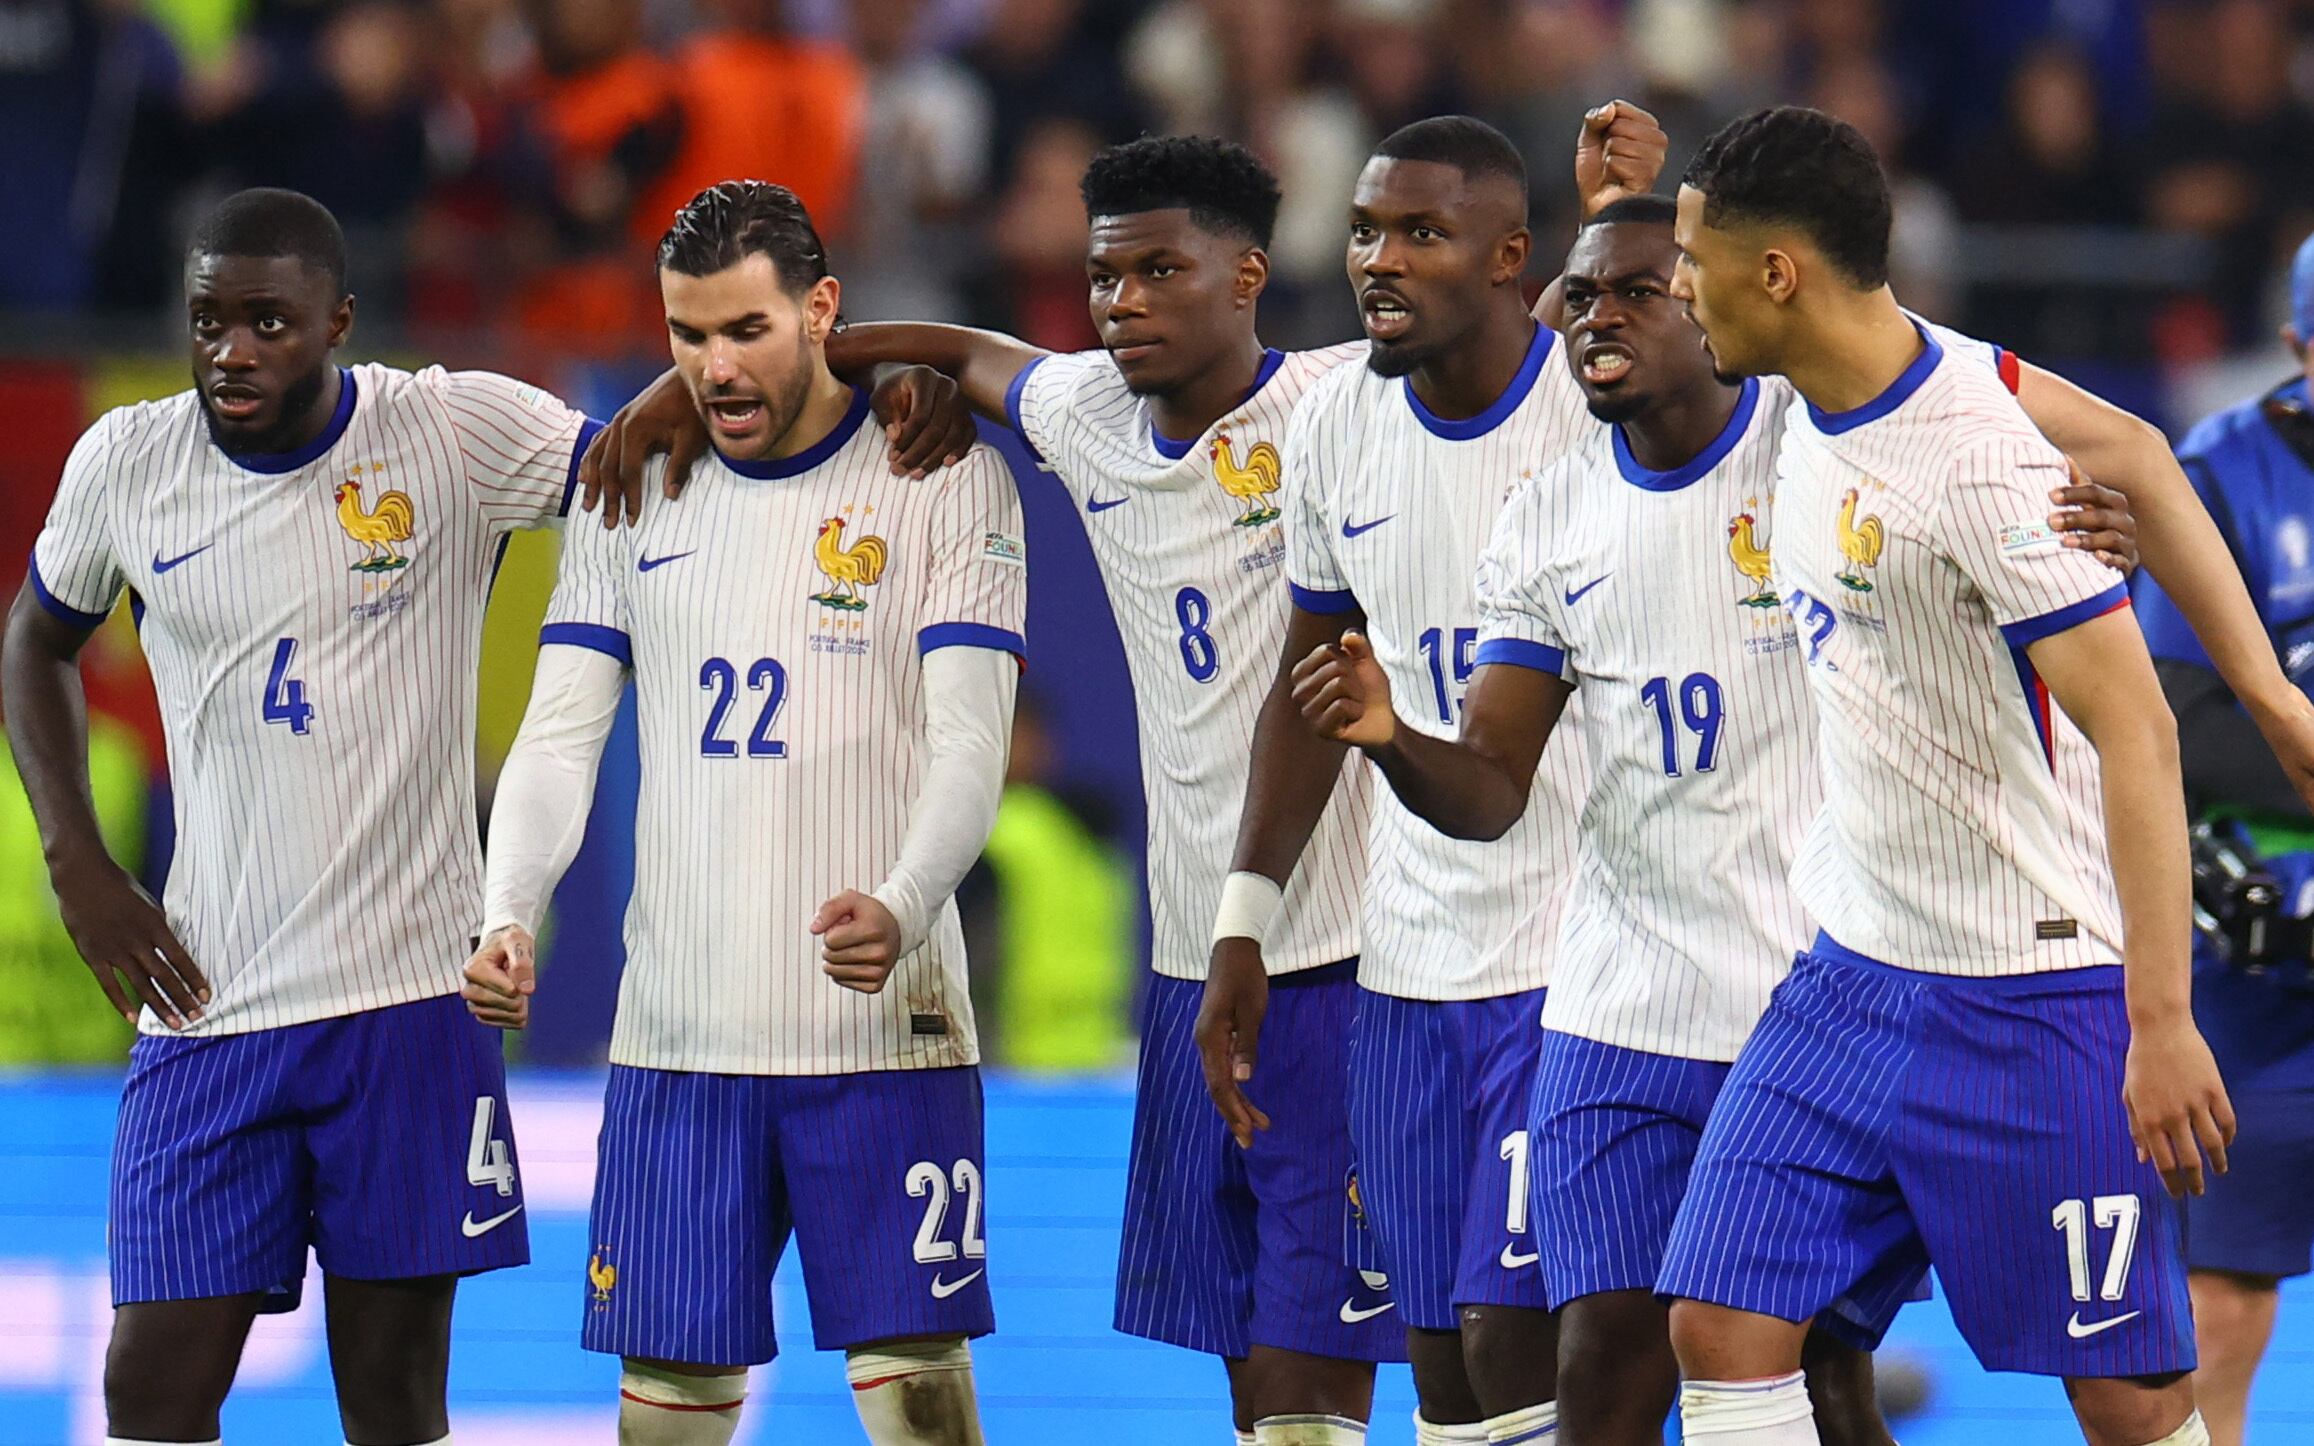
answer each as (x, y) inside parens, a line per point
(1751, 560)
(848, 569)
(602, 1277)
(1252, 483)
(376, 528)
(1860, 543)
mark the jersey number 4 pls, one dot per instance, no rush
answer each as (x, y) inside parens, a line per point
(284, 695)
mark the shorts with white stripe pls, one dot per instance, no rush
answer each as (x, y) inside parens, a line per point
(701, 1178)
(1881, 1119)
(1438, 1100)
(380, 1139)
(1224, 1248)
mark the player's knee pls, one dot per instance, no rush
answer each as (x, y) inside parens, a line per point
(1718, 1343)
(2233, 1315)
(915, 1393)
(1512, 1356)
(2136, 1410)
(163, 1387)
(1615, 1356)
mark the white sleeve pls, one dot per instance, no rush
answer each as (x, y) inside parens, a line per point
(548, 784)
(518, 445)
(968, 694)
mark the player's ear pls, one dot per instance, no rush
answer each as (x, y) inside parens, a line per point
(822, 305)
(341, 321)
(1252, 276)
(1779, 275)
(1511, 255)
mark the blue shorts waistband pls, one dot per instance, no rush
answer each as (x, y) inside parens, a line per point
(2086, 978)
(1341, 971)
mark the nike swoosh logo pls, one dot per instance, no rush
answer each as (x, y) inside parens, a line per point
(1358, 529)
(163, 564)
(1099, 505)
(2081, 1332)
(472, 1227)
(1351, 1315)
(942, 1289)
(645, 564)
(1512, 1260)
(1575, 595)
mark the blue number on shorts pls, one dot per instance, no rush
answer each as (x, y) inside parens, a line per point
(717, 676)
(284, 695)
(1815, 619)
(1463, 660)
(1197, 652)
(1700, 708)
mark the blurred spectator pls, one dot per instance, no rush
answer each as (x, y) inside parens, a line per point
(1533, 68)
(923, 159)
(758, 102)
(1041, 63)
(1924, 239)
(2051, 164)
(1038, 240)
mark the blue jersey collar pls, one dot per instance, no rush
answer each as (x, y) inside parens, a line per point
(278, 462)
(771, 470)
(1739, 421)
(1474, 427)
(1898, 393)
(1174, 449)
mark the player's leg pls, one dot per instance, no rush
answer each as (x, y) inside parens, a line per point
(389, 1352)
(1841, 1391)
(208, 1222)
(415, 1183)
(885, 1174)
(2058, 1249)
(2233, 1319)
(690, 1217)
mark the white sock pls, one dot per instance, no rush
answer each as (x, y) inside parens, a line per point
(1308, 1431)
(884, 1378)
(2193, 1433)
(664, 1408)
(1430, 1433)
(1244, 1438)
(1528, 1427)
(1772, 1412)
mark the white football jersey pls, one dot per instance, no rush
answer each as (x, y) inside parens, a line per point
(1389, 509)
(775, 623)
(1190, 543)
(1963, 829)
(313, 621)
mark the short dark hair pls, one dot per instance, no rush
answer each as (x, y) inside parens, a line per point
(1467, 143)
(1647, 210)
(267, 221)
(1219, 182)
(732, 220)
(1801, 168)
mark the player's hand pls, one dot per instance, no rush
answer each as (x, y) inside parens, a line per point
(859, 940)
(123, 935)
(2095, 520)
(1229, 1033)
(2287, 724)
(661, 418)
(1343, 693)
(1620, 153)
(2178, 1110)
(501, 977)
(925, 419)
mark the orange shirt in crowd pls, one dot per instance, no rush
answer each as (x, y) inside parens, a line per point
(766, 108)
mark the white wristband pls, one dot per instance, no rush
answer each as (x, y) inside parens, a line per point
(1249, 904)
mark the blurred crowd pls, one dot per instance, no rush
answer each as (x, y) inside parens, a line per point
(504, 165)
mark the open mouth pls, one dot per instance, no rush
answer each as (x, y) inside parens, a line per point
(1385, 314)
(1606, 364)
(234, 403)
(735, 416)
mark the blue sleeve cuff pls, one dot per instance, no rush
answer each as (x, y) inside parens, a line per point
(1522, 653)
(578, 449)
(608, 641)
(62, 610)
(2027, 631)
(1012, 396)
(971, 635)
(1318, 600)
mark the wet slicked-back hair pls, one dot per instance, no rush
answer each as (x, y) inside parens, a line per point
(1220, 183)
(732, 220)
(1465, 142)
(271, 222)
(1644, 210)
(1792, 166)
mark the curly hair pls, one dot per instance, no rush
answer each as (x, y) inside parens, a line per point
(1792, 166)
(1223, 187)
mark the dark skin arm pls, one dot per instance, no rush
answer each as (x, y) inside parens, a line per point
(1292, 781)
(120, 932)
(1473, 786)
(926, 421)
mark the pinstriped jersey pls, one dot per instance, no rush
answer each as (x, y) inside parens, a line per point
(313, 621)
(1189, 539)
(775, 623)
(1388, 509)
(1963, 829)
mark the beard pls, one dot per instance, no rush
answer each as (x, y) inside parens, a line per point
(282, 435)
(1397, 359)
(1616, 408)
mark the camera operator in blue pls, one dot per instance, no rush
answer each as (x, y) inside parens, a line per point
(2253, 465)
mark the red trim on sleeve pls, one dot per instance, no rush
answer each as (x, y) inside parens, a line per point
(2012, 370)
